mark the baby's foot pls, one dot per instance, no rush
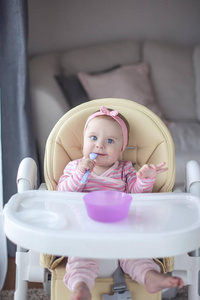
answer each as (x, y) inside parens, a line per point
(81, 292)
(156, 282)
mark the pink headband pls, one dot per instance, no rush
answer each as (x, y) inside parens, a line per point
(113, 114)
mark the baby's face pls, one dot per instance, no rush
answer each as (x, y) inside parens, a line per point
(103, 136)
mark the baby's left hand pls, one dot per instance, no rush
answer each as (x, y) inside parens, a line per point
(151, 171)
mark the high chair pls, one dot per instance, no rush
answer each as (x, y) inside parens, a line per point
(149, 143)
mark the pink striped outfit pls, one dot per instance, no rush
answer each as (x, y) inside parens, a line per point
(122, 177)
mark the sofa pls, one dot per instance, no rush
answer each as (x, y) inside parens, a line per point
(164, 77)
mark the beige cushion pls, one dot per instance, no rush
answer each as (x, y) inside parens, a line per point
(149, 137)
(100, 57)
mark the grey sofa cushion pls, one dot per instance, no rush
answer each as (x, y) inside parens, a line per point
(173, 78)
(100, 57)
(187, 144)
(186, 136)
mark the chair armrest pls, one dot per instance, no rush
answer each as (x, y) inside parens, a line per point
(42, 187)
(193, 177)
(27, 175)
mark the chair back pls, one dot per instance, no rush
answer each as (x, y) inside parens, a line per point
(150, 141)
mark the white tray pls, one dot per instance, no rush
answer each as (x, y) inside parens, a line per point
(158, 225)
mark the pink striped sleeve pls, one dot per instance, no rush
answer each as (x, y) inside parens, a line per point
(142, 185)
(70, 181)
(135, 184)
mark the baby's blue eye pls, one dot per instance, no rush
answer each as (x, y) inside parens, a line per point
(110, 141)
(93, 137)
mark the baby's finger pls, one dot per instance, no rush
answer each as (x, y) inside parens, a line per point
(162, 170)
(161, 165)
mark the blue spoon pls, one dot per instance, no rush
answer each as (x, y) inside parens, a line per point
(85, 176)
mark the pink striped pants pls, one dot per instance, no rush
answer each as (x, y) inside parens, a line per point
(86, 270)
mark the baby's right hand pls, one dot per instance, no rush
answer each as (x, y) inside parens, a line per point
(86, 164)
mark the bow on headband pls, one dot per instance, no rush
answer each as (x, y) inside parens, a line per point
(113, 114)
(105, 111)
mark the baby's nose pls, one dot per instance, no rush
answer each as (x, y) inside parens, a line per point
(99, 144)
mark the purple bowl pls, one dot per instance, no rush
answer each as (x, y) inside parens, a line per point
(107, 206)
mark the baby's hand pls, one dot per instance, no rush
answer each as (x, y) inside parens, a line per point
(151, 171)
(86, 164)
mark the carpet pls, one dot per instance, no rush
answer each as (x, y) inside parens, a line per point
(37, 294)
(33, 294)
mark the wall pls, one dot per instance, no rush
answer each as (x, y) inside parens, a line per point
(63, 24)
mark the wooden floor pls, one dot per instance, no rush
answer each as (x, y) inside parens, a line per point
(10, 277)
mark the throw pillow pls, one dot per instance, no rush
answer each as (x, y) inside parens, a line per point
(72, 89)
(129, 82)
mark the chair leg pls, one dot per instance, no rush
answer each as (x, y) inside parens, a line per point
(21, 285)
(193, 292)
(187, 266)
(194, 288)
(27, 269)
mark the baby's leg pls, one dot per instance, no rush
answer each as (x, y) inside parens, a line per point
(137, 268)
(81, 292)
(147, 272)
(80, 277)
(156, 282)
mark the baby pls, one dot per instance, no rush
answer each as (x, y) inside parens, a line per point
(106, 133)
